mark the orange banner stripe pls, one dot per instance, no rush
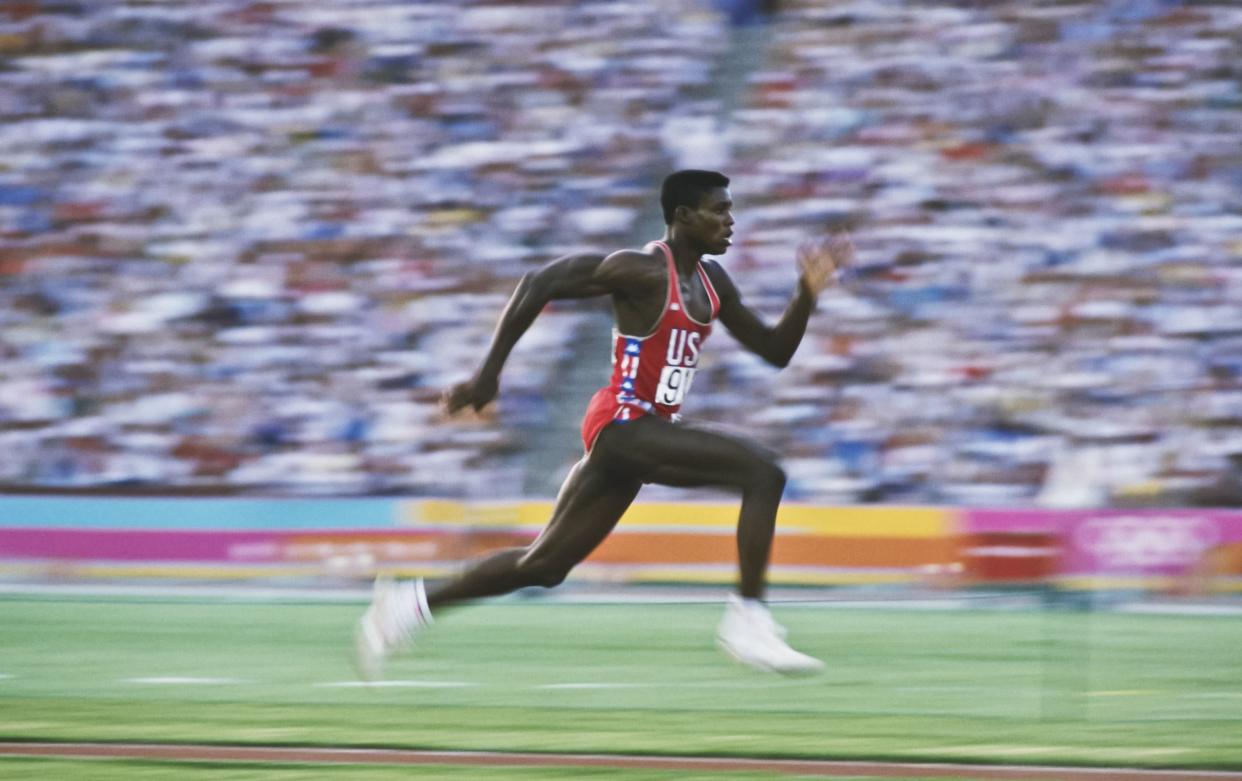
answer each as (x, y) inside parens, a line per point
(796, 550)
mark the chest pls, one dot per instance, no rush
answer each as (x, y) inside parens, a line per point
(688, 303)
(694, 297)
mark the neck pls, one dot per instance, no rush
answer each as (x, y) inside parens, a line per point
(685, 254)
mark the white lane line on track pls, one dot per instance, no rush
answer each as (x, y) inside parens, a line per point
(394, 685)
(183, 681)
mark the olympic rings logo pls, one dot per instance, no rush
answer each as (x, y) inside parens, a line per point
(1147, 541)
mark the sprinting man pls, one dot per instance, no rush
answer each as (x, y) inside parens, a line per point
(665, 298)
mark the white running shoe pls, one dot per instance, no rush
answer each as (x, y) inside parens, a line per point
(397, 611)
(749, 634)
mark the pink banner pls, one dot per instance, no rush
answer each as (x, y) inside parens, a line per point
(248, 547)
(1116, 542)
(97, 545)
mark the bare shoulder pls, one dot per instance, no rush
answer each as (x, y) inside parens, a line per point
(634, 269)
(639, 258)
(719, 277)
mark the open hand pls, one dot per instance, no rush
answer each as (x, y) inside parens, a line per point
(477, 392)
(820, 259)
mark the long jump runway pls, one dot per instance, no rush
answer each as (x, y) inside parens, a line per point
(188, 752)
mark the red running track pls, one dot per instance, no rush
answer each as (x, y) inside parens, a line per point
(805, 767)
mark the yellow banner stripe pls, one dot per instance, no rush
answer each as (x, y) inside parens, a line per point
(907, 522)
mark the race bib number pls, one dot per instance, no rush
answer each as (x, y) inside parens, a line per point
(674, 383)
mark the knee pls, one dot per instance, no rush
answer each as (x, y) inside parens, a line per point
(543, 571)
(768, 475)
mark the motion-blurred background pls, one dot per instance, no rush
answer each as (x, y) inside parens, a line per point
(246, 244)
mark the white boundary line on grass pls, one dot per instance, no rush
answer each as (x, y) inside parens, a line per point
(172, 680)
(597, 685)
(394, 684)
(181, 680)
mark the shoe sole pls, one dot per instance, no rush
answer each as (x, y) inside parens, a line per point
(791, 672)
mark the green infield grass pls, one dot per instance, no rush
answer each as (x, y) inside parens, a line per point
(977, 685)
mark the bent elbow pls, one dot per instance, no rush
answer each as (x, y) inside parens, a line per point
(779, 361)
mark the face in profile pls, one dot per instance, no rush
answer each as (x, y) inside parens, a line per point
(711, 224)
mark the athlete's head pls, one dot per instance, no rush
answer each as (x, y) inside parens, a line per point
(698, 206)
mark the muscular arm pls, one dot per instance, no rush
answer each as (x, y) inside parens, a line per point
(774, 344)
(818, 261)
(573, 276)
(581, 275)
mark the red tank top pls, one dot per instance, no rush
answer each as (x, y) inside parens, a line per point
(653, 373)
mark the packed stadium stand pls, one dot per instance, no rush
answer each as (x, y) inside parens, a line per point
(1047, 205)
(244, 244)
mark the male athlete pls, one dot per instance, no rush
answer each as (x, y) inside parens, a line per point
(665, 297)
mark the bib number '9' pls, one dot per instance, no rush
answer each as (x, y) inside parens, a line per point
(674, 383)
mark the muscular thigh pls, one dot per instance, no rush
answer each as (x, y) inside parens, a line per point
(656, 450)
(588, 506)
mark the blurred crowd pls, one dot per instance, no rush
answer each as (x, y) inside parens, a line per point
(1047, 203)
(244, 244)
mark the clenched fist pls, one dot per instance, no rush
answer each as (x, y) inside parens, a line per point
(477, 392)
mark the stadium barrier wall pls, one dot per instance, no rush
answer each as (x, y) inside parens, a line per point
(246, 538)
(1173, 550)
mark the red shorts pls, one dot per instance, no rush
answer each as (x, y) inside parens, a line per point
(604, 409)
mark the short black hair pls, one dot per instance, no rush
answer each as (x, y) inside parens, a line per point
(687, 188)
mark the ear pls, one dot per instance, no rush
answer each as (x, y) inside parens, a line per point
(682, 214)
